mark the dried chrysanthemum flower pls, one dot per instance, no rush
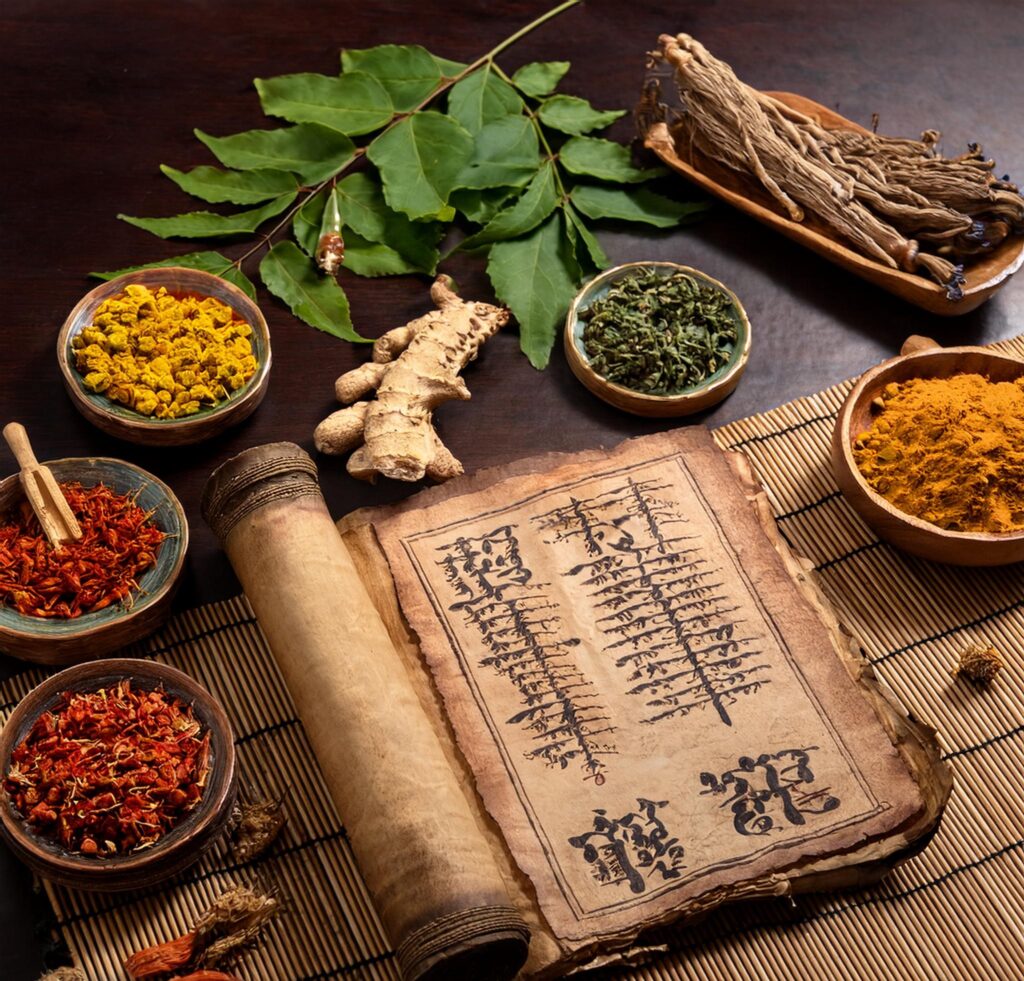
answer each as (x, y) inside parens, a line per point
(979, 663)
(258, 825)
(64, 974)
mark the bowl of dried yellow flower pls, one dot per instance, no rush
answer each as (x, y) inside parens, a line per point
(165, 356)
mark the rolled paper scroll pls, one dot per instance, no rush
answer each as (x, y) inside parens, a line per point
(433, 879)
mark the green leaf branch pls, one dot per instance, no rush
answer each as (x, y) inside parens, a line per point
(509, 158)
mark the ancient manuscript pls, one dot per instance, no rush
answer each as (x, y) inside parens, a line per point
(653, 712)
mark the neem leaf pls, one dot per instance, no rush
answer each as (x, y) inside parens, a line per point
(482, 97)
(603, 159)
(211, 262)
(307, 221)
(312, 151)
(352, 103)
(570, 114)
(364, 210)
(316, 299)
(205, 224)
(366, 258)
(632, 204)
(408, 72)
(595, 255)
(420, 160)
(540, 78)
(481, 206)
(237, 186)
(535, 276)
(506, 153)
(537, 202)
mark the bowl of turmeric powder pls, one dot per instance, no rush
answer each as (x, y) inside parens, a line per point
(165, 356)
(928, 448)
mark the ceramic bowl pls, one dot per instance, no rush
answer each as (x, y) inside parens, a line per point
(685, 402)
(94, 634)
(184, 843)
(124, 423)
(921, 357)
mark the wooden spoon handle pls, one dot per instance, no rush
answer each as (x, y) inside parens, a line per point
(915, 344)
(17, 440)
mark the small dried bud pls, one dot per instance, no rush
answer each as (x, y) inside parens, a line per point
(979, 663)
(330, 252)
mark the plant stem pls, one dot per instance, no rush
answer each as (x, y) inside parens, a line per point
(443, 86)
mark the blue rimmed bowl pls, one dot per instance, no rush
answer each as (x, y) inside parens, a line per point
(127, 424)
(684, 402)
(62, 642)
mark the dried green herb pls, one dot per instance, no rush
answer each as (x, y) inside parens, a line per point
(659, 334)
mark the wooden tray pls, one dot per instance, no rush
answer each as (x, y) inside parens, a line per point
(983, 277)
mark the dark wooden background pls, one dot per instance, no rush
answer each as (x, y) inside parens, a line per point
(95, 95)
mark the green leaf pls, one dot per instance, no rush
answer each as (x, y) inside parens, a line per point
(633, 204)
(570, 114)
(420, 160)
(482, 97)
(366, 258)
(603, 159)
(316, 299)
(312, 151)
(481, 206)
(595, 255)
(237, 186)
(211, 262)
(540, 78)
(535, 204)
(352, 103)
(364, 210)
(307, 221)
(205, 224)
(506, 153)
(449, 69)
(536, 276)
(408, 72)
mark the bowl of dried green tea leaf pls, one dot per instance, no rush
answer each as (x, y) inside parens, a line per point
(657, 338)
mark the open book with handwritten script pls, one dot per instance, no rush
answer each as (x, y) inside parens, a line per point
(656, 710)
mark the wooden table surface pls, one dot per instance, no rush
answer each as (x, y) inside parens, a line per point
(97, 94)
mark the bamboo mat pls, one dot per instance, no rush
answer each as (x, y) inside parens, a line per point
(953, 912)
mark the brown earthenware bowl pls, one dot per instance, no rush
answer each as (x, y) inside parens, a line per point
(92, 635)
(921, 357)
(183, 844)
(124, 423)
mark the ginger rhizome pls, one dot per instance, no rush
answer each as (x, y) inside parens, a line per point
(414, 369)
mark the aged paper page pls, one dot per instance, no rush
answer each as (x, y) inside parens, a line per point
(655, 716)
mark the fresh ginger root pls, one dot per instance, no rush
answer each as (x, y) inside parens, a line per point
(414, 369)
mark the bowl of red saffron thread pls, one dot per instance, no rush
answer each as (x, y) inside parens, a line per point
(111, 588)
(150, 762)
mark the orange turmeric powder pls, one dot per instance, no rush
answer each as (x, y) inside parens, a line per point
(950, 451)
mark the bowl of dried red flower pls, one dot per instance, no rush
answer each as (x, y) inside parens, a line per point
(113, 586)
(116, 774)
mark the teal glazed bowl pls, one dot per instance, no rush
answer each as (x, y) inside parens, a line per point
(125, 423)
(686, 401)
(62, 642)
(185, 843)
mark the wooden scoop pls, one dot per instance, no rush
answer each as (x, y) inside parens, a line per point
(41, 488)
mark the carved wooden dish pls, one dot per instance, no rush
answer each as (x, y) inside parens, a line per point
(920, 358)
(95, 634)
(124, 423)
(183, 844)
(709, 392)
(983, 276)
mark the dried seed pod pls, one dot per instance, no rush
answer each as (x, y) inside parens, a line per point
(979, 663)
(258, 825)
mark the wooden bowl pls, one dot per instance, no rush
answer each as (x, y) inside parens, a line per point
(683, 403)
(184, 843)
(92, 635)
(124, 423)
(983, 276)
(921, 357)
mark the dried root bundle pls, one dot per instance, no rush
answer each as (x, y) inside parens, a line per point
(414, 369)
(895, 200)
